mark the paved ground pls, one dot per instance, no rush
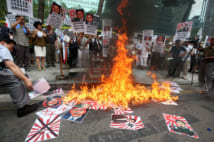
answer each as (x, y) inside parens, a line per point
(197, 109)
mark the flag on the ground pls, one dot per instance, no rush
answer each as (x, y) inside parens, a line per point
(76, 114)
(44, 129)
(129, 122)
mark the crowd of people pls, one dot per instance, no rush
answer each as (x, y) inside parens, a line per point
(79, 50)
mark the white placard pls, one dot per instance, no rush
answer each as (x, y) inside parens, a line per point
(20, 7)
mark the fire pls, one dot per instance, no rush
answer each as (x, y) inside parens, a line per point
(118, 89)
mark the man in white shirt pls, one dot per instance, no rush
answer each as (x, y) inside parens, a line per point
(139, 48)
(11, 77)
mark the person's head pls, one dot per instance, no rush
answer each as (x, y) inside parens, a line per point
(141, 40)
(17, 17)
(8, 43)
(178, 43)
(37, 25)
(49, 27)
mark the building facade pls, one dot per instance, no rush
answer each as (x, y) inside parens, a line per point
(207, 17)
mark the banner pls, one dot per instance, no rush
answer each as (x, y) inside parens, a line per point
(56, 16)
(31, 22)
(77, 18)
(147, 38)
(91, 24)
(183, 31)
(20, 7)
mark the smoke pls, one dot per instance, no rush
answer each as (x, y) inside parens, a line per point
(139, 14)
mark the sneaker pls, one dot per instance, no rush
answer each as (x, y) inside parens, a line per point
(27, 109)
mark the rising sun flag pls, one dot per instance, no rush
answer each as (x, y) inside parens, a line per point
(118, 89)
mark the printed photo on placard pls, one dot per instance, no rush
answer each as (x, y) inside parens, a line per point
(44, 129)
(76, 114)
(89, 19)
(129, 122)
(179, 125)
(80, 15)
(52, 102)
(56, 8)
(72, 14)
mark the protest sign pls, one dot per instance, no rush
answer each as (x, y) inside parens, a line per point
(147, 38)
(67, 21)
(20, 7)
(159, 43)
(10, 19)
(77, 18)
(91, 24)
(129, 122)
(207, 41)
(31, 22)
(183, 31)
(44, 129)
(56, 16)
(179, 125)
(107, 31)
(59, 32)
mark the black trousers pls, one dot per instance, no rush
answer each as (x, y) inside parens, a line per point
(174, 67)
(22, 58)
(50, 55)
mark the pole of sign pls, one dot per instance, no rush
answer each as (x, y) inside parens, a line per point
(61, 76)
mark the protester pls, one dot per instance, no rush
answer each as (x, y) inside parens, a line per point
(207, 67)
(167, 49)
(11, 77)
(51, 44)
(186, 58)
(20, 35)
(193, 56)
(82, 50)
(176, 53)
(139, 48)
(73, 50)
(39, 41)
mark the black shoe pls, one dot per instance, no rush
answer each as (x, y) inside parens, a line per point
(47, 66)
(27, 109)
(53, 65)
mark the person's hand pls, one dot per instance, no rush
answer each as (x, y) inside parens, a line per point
(29, 84)
(44, 34)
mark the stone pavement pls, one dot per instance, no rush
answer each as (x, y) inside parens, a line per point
(196, 108)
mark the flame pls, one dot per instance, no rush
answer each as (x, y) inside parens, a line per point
(119, 89)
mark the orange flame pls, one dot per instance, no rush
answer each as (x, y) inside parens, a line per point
(119, 89)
